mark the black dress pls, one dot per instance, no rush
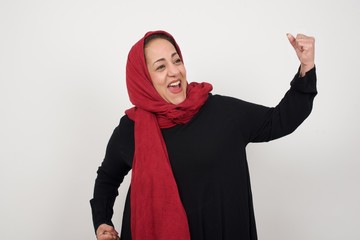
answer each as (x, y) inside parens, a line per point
(208, 159)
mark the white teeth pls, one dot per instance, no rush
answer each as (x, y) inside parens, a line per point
(174, 84)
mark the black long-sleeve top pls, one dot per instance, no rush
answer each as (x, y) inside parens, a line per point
(208, 160)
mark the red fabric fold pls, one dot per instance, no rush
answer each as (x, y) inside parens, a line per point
(156, 209)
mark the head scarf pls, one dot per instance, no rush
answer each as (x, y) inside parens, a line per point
(156, 209)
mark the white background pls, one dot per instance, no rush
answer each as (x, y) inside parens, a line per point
(62, 92)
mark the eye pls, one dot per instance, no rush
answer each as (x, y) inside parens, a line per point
(177, 61)
(160, 67)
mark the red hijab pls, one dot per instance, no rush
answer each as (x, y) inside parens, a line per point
(157, 212)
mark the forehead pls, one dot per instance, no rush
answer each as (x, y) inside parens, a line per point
(159, 48)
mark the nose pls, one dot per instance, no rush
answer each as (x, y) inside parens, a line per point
(173, 70)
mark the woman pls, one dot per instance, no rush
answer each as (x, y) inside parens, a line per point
(186, 148)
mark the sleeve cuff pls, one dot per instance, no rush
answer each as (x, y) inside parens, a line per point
(102, 211)
(305, 84)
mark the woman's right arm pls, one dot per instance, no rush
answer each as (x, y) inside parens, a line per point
(116, 164)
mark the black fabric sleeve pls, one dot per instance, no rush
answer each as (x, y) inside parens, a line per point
(116, 164)
(272, 123)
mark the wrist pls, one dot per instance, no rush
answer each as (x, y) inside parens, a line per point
(304, 68)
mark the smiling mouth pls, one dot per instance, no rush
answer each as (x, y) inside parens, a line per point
(175, 84)
(175, 87)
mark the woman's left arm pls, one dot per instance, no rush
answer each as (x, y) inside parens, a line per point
(272, 123)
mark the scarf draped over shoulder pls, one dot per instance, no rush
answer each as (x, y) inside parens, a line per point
(157, 212)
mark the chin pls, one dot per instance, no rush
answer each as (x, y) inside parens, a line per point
(177, 100)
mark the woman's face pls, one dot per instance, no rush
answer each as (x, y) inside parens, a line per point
(166, 70)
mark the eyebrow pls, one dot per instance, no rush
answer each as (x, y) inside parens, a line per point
(163, 59)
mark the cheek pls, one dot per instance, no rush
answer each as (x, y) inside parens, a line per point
(158, 81)
(183, 70)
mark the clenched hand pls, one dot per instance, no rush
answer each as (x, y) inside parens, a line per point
(305, 50)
